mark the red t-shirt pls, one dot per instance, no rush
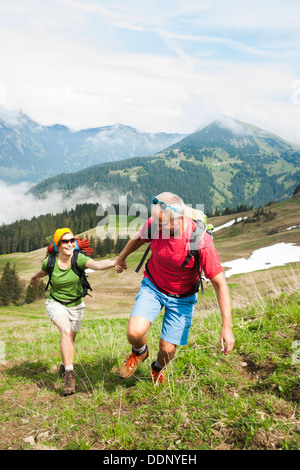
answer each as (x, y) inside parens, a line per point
(168, 254)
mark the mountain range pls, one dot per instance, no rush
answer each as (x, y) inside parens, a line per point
(225, 164)
(32, 152)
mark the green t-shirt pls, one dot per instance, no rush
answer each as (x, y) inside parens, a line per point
(65, 283)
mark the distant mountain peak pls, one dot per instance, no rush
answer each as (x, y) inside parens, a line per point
(235, 126)
(12, 118)
(30, 151)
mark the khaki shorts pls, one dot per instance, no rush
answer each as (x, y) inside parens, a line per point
(74, 314)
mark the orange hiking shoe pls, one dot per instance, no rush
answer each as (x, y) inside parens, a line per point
(130, 364)
(158, 375)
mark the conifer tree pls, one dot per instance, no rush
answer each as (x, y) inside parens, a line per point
(120, 244)
(29, 294)
(15, 287)
(34, 293)
(10, 286)
(99, 248)
(4, 285)
(2, 245)
(108, 245)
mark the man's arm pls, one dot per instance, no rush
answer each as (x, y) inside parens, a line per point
(134, 243)
(223, 296)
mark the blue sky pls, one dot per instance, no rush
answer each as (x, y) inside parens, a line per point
(159, 66)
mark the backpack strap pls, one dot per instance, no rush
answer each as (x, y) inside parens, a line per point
(195, 239)
(66, 303)
(50, 267)
(152, 229)
(143, 259)
(80, 273)
(76, 269)
(199, 282)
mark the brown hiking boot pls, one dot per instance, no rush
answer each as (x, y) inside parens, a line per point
(61, 370)
(158, 375)
(69, 379)
(130, 364)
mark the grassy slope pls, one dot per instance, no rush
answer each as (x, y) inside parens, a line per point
(247, 400)
(242, 239)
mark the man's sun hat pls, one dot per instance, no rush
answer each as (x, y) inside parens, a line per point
(59, 233)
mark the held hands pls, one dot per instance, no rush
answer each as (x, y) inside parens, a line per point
(120, 265)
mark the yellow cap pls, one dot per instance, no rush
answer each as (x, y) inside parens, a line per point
(59, 233)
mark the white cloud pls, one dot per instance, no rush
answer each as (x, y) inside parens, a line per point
(2, 93)
(234, 126)
(161, 66)
(16, 203)
(219, 40)
(12, 118)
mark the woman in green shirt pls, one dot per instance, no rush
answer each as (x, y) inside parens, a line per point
(65, 286)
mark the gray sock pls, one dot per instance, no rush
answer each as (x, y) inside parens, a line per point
(140, 351)
(157, 365)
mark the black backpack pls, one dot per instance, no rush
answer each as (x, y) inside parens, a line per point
(77, 270)
(196, 236)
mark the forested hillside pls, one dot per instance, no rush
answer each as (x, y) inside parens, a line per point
(29, 235)
(215, 167)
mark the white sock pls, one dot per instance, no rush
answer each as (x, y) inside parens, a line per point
(67, 368)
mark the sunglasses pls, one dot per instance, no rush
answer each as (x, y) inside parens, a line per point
(68, 240)
(163, 205)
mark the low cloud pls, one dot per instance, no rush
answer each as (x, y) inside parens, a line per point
(237, 128)
(105, 136)
(12, 118)
(16, 203)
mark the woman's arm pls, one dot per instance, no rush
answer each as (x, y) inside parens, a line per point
(36, 278)
(100, 265)
(134, 243)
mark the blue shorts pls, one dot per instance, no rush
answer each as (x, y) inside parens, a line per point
(178, 314)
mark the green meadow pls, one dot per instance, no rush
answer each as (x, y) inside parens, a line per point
(248, 400)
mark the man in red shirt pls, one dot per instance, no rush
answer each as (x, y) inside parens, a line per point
(168, 284)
